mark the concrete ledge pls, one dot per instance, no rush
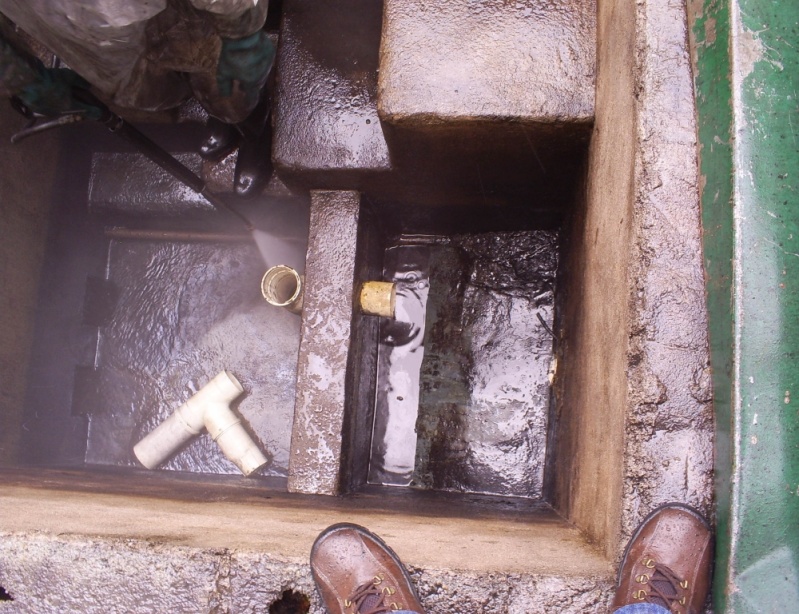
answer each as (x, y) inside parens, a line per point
(458, 61)
(64, 550)
(315, 458)
(635, 418)
(327, 131)
(538, 543)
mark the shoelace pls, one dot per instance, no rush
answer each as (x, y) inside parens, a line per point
(665, 587)
(369, 598)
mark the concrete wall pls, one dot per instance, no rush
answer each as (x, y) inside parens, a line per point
(197, 548)
(635, 419)
(25, 198)
(591, 385)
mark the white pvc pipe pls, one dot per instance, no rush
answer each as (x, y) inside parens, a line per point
(209, 408)
(226, 430)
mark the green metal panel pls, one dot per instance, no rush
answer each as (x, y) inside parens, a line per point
(714, 119)
(747, 89)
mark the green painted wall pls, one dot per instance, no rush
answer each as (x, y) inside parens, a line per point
(747, 90)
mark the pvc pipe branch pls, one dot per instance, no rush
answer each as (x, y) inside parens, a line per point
(208, 409)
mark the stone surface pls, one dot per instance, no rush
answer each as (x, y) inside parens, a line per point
(45, 573)
(64, 551)
(326, 105)
(446, 591)
(531, 61)
(635, 426)
(51, 575)
(670, 413)
(315, 460)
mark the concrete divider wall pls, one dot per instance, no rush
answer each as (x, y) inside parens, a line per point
(635, 418)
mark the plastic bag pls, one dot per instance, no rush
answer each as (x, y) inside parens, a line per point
(146, 55)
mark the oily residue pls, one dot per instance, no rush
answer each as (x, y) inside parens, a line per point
(399, 361)
(483, 398)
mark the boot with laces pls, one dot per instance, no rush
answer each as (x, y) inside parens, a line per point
(357, 573)
(667, 562)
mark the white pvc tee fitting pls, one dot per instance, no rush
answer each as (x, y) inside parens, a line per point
(208, 409)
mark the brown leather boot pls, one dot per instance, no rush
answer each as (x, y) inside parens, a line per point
(356, 573)
(667, 561)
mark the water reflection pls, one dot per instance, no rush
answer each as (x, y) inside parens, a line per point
(463, 393)
(400, 355)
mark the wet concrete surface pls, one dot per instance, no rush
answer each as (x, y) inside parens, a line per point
(184, 313)
(130, 183)
(328, 133)
(487, 103)
(138, 325)
(324, 355)
(400, 353)
(476, 385)
(326, 103)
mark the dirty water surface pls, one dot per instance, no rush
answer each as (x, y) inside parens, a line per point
(463, 394)
(184, 312)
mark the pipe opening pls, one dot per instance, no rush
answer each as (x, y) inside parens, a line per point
(236, 383)
(379, 298)
(281, 286)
